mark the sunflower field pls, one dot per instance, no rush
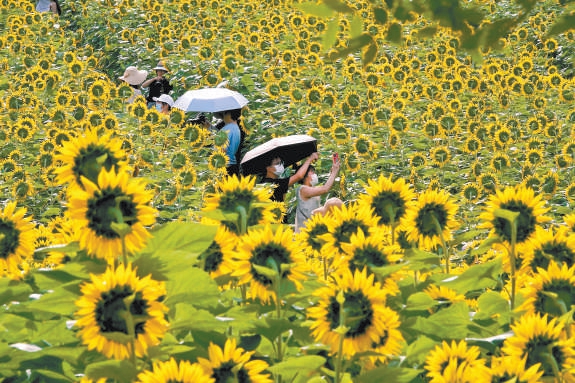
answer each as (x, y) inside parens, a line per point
(128, 255)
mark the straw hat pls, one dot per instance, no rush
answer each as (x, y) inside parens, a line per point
(161, 66)
(133, 76)
(165, 98)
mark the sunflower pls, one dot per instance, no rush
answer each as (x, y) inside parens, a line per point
(276, 251)
(471, 191)
(356, 301)
(109, 301)
(519, 199)
(440, 155)
(390, 200)
(172, 371)
(16, 239)
(456, 363)
(216, 259)
(509, 369)
(538, 339)
(115, 199)
(432, 219)
(444, 296)
(234, 364)
(217, 161)
(87, 155)
(345, 222)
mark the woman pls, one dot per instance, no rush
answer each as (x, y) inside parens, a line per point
(134, 78)
(164, 103)
(158, 85)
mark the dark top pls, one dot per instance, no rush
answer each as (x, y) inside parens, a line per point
(281, 188)
(157, 88)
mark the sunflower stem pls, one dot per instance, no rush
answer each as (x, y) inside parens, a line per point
(549, 358)
(443, 244)
(512, 260)
(339, 360)
(278, 314)
(242, 219)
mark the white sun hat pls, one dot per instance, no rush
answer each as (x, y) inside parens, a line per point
(165, 98)
(133, 76)
(161, 66)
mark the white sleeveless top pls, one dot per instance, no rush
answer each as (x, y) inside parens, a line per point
(304, 209)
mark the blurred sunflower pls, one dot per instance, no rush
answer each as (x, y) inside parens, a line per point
(115, 199)
(456, 362)
(217, 161)
(472, 145)
(517, 199)
(356, 301)
(217, 258)
(390, 200)
(549, 245)
(505, 368)
(87, 155)
(432, 219)
(264, 248)
(232, 192)
(107, 302)
(172, 371)
(233, 363)
(537, 339)
(17, 238)
(443, 296)
(440, 155)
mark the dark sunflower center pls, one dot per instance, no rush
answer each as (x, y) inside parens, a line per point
(559, 252)
(314, 233)
(9, 243)
(229, 200)
(382, 340)
(346, 229)
(425, 221)
(226, 374)
(369, 256)
(87, 163)
(104, 209)
(536, 348)
(525, 222)
(358, 313)
(213, 257)
(388, 206)
(111, 305)
(270, 255)
(553, 306)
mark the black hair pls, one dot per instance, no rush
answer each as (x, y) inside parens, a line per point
(58, 9)
(309, 168)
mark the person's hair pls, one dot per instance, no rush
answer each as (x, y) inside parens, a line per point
(309, 168)
(235, 114)
(58, 9)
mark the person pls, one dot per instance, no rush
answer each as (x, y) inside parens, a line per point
(275, 169)
(158, 85)
(49, 6)
(164, 103)
(230, 120)
(309, 194)
(134, 78)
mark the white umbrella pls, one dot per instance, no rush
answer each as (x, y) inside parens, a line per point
(290, 149)
(210, 100)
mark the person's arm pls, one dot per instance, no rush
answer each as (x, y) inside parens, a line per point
(303, 169)
(307, 192)
(149, 82)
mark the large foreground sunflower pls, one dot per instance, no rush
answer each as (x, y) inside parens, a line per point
(277, 251)
(233, 364)
(16, 239)
(456, 363)
(509, 369)
(432, 219)
(116, 199)
(174, 372)
(109, 302)
(86, 155)
(217, 258)
(519, 199)
(540, 340)
(362, 311)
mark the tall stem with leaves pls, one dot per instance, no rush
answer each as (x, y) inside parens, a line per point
(341, 330)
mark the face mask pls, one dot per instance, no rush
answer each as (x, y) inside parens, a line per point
(158, 107)
(314, 179)
(279, 169)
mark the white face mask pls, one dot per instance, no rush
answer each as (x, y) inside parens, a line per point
(279, 170)
(314, 179)
(158, 107)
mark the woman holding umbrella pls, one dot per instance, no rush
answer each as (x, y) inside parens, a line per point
(276, 168)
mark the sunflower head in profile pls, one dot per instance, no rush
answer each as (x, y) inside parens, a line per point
(509, 369)
(17, 238)
(549, 245)
(519, 199)
(550, 291)
(172, 371)
(86, 155)
(356, 301)
(216, 259)
(276, 251)
(116, 199)
(390, 200)
(432, 219)
(234, 364)
(537, 339)
(443, 296)
(120, 313)
(456, 362)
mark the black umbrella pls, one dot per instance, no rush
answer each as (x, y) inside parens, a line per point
(290, 149)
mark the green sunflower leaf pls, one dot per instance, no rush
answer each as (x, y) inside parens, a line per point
(481, 276)
(266, 271)
(120, 370)
(315, 9)
(389, 374)
(298, 367)
(272, 328)
(457, 315)
(11, 291)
